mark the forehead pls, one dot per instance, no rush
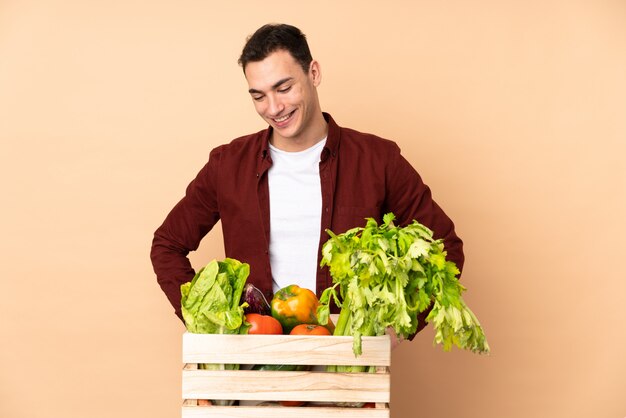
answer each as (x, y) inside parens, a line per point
(278, 65)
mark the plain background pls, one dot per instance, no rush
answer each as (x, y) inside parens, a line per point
(513, 112)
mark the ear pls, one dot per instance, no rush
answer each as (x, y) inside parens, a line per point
(315, 73)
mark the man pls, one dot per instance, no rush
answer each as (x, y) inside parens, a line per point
(277, 191)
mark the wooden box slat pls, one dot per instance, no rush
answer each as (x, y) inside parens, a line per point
(252, 385)
(283, 349)
(281, 412)
(317, 386)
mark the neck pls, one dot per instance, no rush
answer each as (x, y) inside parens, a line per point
(317, 132)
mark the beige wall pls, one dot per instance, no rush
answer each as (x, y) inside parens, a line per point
(513, 112)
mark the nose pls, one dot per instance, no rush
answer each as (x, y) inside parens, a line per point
(274, 105)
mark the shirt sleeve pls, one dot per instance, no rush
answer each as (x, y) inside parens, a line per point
(410, 199)
(183, 229)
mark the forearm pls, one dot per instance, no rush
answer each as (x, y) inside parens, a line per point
(411, 199)
(172, 268)
(453, 245)
(181, 232)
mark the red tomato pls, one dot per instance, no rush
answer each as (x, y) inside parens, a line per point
(369, 405)
(263, 324)
(309, 329)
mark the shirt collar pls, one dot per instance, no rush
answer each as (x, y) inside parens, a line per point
(334, 134)
(332, 141)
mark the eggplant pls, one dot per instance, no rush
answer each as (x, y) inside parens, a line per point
(257, 303)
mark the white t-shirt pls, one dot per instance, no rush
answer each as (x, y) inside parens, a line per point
(295, 216)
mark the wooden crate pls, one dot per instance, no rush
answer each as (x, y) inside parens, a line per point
(321, 388)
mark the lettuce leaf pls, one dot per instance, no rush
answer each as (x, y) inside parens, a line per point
(210, 302)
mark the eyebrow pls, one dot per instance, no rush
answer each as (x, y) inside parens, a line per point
(275, 86)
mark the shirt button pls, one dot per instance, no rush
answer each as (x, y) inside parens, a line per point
(326, 209)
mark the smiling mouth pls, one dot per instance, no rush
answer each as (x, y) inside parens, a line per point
(283, 118)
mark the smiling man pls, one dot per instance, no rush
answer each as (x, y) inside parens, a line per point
(286, 97)
(278, 190)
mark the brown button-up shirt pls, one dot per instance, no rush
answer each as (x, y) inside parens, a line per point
(361, 176)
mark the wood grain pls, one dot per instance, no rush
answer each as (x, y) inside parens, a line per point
(281, 412)
(284, 349)
(286, 386)
(252, 386)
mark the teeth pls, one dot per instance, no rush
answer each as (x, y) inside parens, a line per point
(284, 118)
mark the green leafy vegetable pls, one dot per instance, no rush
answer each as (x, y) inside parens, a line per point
(210, 304)
(384, 276)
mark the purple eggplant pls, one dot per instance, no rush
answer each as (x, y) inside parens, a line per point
(257, 303)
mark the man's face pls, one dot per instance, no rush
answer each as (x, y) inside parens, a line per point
(285, 96)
